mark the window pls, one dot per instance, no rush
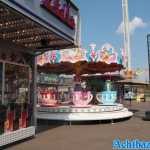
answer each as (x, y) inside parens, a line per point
(16, 84)
(15, 106)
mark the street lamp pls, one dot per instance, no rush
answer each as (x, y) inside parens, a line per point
(148, 46)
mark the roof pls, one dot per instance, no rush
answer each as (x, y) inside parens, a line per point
(132, 82)
(80, 67)
(31, 29)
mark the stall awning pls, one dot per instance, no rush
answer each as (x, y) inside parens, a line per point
(132, 82)
(80, 67)
(23, 31)
(107, 76)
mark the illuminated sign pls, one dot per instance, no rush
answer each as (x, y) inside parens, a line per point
(61, 10)
(107, 54)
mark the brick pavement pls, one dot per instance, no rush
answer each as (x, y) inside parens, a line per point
(89, 137)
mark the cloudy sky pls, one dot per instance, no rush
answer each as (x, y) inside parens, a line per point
(102, 22)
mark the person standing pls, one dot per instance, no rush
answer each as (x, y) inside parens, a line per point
(138, 98)
(130, 96)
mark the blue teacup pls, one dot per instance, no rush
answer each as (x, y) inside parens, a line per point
(107, 97)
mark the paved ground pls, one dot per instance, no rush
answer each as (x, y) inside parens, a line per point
(89, 137)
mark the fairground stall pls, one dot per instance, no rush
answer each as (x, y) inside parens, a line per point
(28, 28)
(69, 98)
(139, 90)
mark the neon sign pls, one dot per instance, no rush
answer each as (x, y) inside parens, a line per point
(60, 10)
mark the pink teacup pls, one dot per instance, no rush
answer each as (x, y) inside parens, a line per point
(81, 99)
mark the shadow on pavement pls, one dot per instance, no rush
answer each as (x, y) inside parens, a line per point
(16, 143)
(44, 125)
(134, 110)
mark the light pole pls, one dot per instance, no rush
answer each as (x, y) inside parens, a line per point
(126, 32)
(148, 46)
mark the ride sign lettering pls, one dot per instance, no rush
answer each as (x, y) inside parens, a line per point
(60, 10)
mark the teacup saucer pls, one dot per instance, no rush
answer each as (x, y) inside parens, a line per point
(49, 105)
(80, 106)
(111, 104)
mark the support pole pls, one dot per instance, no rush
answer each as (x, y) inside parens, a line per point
(126, 32)
(34, 92)
(148, 46)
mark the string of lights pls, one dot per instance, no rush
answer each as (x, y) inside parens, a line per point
(23, 31)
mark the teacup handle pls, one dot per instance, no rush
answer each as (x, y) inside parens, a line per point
(90, 98)
(98, 97)
(73, 99)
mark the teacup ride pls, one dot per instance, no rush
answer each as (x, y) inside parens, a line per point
(81, 110)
